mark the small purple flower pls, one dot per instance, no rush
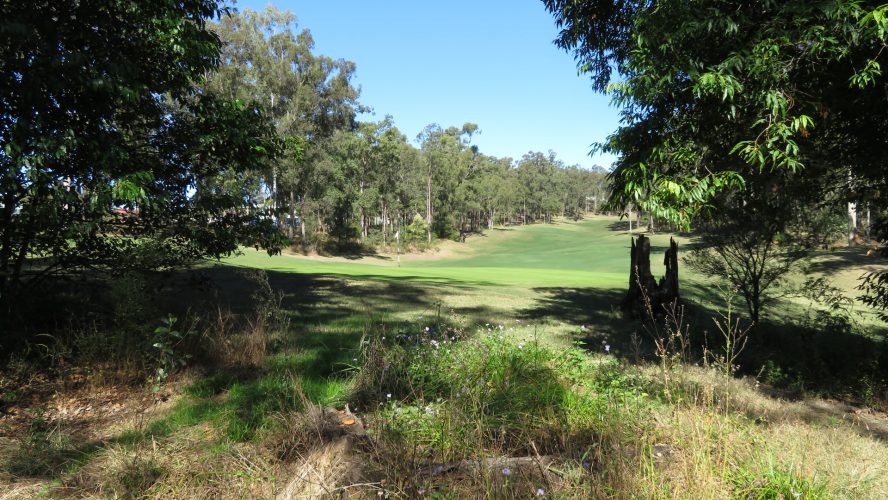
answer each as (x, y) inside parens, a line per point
(507, 471)
(541, 492)
(607, 348)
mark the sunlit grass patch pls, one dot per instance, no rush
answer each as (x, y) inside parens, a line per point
(770, 480)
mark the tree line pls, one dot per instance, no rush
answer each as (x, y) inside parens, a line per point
(341, 181)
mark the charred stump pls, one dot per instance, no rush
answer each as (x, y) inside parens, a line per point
(642, 285)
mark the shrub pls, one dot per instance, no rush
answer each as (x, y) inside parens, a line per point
(416, 233)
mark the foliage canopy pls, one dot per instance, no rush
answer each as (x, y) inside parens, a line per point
(112, 154)
(715, 95)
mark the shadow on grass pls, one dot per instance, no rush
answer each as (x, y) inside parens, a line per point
(311, 360)
(799, 361)
(596, 309)
(621, 226)
(362, 255)
(308, 298)
(842, 259)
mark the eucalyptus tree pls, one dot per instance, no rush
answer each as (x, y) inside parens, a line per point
(309, 96)
(538, 175)
(443, 163)
(377, 173)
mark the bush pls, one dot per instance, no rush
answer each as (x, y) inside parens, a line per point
(416, 233)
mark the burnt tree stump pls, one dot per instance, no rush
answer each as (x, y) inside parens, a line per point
(642, 283)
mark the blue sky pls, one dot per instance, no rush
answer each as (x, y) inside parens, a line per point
(491, 62)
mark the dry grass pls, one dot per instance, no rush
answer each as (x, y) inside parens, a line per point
(187, 465)
(717, 431)
(695, 448)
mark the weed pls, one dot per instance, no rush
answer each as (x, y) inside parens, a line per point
(131, 474)
(168, 341)
(775, 482)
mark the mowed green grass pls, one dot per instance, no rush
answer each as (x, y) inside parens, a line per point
(592, 253)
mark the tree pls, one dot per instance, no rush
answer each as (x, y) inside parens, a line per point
(722, 102)
(101, 111)
(447, 156)
(748, 257)
(715, 93)
(309, 96)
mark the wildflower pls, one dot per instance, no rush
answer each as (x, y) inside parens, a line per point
(427, 329)
(607, 348)
(541, 492)
(507, 471)
(388, 396)
(421, 491)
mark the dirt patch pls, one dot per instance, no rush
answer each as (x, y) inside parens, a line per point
(85, 411)
(330, 466)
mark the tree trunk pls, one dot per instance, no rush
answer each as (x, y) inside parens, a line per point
(9, 206)
(274, 182)
(644, 290)
(302, 220)
(384, 220)
(274, 188)
(290, 232)
(868, 223)
(363, 211)
(852, 224)
(429, 204)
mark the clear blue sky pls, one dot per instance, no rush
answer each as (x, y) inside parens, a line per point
(491, 62)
